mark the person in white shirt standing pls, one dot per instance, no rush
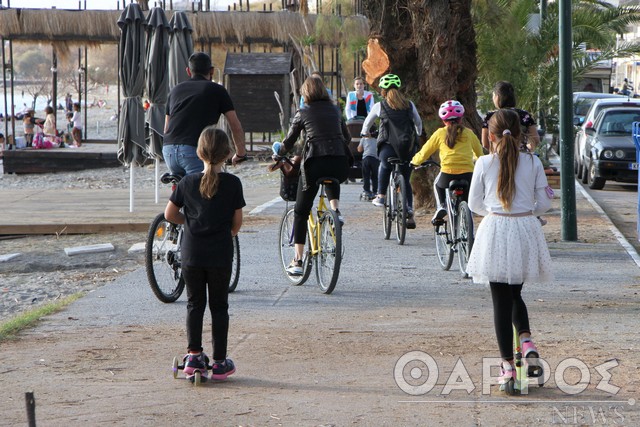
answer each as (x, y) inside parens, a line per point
(509, 190)
(76, 132)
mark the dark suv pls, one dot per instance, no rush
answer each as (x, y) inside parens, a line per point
(609, 150)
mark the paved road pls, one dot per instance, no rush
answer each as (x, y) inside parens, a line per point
(620, 203)
(305, 358)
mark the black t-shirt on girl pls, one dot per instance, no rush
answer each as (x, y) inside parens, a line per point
(207, 241)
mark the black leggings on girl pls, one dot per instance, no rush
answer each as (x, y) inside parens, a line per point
(508, 310)
(213, 281)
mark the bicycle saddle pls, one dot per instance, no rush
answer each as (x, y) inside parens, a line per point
(327, 180)
(396, 160)
(168, 178)
(462, 184)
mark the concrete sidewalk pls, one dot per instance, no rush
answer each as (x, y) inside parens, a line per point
(354, 357)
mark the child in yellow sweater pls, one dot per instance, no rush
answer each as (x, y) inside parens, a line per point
(457, 145)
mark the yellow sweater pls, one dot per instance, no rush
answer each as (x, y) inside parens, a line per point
(456, 160)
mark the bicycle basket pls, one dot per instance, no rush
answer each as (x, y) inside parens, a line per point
(288, 187)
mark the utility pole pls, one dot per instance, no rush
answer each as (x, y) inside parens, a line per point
(567, 181)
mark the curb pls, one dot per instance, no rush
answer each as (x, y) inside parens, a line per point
(616, 232)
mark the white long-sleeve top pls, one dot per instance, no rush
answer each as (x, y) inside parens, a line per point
(531, 183)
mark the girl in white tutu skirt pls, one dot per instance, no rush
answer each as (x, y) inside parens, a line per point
(509, 188)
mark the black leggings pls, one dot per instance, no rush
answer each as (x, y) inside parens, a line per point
(314, 168)
(509, 310)
(216, 282)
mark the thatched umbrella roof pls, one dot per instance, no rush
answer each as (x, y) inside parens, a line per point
(83, 27)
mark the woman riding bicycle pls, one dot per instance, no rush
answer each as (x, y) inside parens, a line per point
(457, 145)
(394, 110)
(325, 154)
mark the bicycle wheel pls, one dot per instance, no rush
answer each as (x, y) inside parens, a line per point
(464, 236)
(329, 256)
(235, 266)
(444, 251)
(162, 260)
(287, 249)
(387, 217)
(400, 209)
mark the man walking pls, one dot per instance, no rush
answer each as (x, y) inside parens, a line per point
(193, 105)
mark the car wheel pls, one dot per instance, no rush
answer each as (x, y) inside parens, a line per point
(584, 177)
(594, 182)
(577, 167)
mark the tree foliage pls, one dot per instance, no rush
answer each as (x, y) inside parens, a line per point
(511, 48)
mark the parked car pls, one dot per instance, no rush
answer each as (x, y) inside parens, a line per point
(580, 137)
(609, 150)
(582, 101)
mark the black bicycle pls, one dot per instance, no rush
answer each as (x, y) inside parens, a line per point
(395, 205)
(454, 233)
(163, 256)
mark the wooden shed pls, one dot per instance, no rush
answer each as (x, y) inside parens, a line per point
(252, 79)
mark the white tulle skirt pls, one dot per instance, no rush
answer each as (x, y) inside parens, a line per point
(510, 250)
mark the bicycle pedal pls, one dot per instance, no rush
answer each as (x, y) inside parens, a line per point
(437, 222)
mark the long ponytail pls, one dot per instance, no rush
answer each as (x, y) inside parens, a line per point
(214, 147)
(453, 131)
(505, 127)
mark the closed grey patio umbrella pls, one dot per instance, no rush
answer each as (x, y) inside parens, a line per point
(131, 136)
(180, 48)
(157, 28)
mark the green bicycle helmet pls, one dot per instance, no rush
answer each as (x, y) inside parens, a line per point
(389, 80)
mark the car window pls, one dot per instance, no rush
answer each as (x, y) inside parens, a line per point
(618, 122)
(581, 107)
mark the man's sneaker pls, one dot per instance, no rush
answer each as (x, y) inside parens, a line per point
(439, 215)
(378, 201)
(195, 362)
(531, 356)
(295, 268)
(221, 370)
(340, 218)
(411, 222)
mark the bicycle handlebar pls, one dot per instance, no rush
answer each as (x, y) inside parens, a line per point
(426, 164)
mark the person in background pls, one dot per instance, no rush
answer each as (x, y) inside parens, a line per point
(191, 106)
(76, 131)
(49, 125)
(29, 123)
(509, 189)
(316, 75)
(68, 103)
(68, 135)
(504, 97)
(397, 109)
(359, 102)
(370, 164)
(326, 154)
(209, 204)
(457, 146)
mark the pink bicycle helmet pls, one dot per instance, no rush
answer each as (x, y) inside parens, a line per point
(451, 110)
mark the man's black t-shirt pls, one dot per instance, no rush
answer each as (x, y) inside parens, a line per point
(193, 105)
(206, 242)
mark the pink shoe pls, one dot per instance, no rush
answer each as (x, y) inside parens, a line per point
(507, 378)
(531, 356)
(195, 362)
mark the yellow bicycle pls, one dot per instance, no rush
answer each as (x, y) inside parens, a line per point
(324, 238)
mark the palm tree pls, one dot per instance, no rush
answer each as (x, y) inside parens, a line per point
(511, 48)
